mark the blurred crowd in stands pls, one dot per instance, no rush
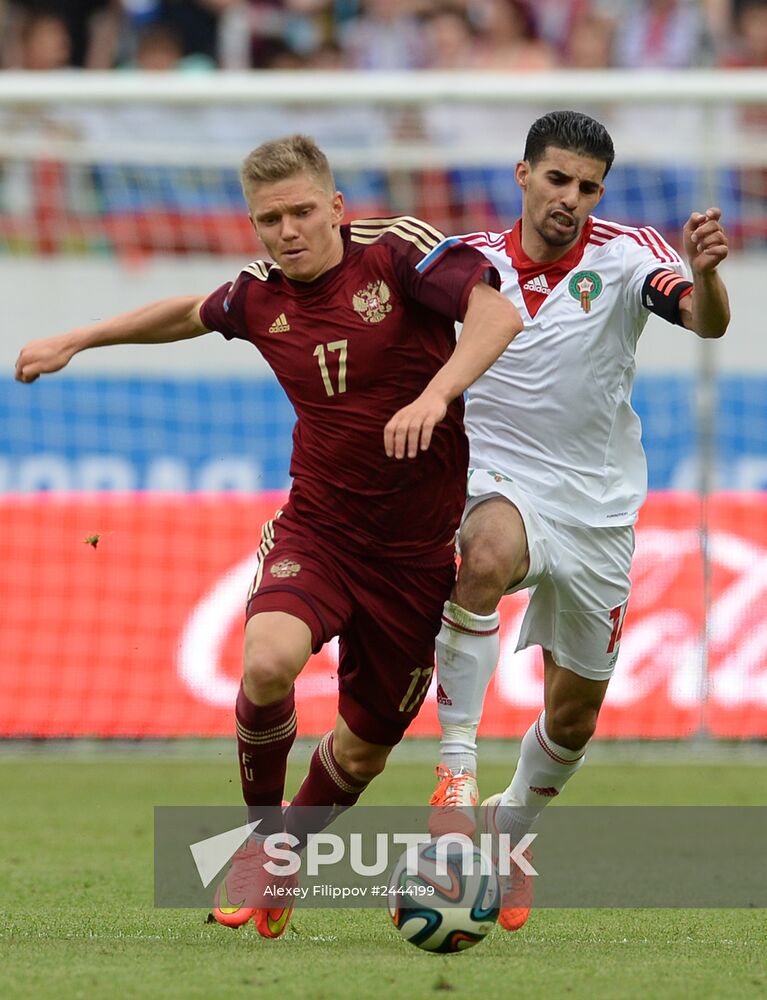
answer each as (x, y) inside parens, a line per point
(202, 35)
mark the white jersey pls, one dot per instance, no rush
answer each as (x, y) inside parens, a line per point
(554, 412)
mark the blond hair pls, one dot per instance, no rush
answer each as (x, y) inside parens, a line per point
(279, 159)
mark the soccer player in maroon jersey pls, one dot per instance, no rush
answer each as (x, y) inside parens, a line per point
(357, 323)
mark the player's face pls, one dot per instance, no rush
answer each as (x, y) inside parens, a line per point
(558, 194)
(298, 223)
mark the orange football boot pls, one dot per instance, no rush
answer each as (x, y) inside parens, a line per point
(245, 884)
(516, 888)
(453, 803)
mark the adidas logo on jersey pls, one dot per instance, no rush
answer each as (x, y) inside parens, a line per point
(538, 284)
(280, 325)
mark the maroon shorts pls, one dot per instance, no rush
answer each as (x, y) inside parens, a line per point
(386, 613)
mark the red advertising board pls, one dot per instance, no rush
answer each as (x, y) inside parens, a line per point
(138, 632)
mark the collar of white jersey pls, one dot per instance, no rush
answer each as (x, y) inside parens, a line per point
(521, 261)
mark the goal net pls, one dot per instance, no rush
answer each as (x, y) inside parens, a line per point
(133, 485)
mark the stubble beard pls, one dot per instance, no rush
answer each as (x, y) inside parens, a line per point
(554, 239)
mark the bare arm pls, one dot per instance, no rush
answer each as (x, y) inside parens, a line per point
(158, 323)
(706, 310)
(490, 324)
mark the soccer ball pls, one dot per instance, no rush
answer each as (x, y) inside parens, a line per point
(445, 913)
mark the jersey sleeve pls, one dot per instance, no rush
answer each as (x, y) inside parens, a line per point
(224, 309)
(436, 272)
(443, 279)
(657, 277)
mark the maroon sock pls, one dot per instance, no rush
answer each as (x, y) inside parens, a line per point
(265, 734)
(327, 788)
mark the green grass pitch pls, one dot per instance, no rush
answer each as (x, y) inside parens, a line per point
(78, 918)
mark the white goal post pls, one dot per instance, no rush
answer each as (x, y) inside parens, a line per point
(349, 87)
(703, 101)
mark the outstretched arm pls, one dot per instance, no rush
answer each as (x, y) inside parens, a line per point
(490, 324)
(158, 323)
(706, 310)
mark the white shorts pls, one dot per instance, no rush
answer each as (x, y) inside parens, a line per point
(578, 581)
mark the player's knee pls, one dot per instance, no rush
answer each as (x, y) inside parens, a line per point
(267, 676)
(571, 725)
(491, 565)
(361, 763)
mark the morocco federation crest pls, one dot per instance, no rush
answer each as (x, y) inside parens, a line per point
(585, 286)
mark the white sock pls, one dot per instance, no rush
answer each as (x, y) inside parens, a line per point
(467, 652)
(542, 771)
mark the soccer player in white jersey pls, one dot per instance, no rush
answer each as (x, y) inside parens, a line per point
(557, 471)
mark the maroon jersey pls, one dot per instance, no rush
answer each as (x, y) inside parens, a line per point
(350, 349)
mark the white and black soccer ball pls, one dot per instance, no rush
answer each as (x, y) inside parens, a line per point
(449, 912)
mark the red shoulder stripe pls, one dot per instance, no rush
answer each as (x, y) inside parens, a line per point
(492, 240)
(603, 232)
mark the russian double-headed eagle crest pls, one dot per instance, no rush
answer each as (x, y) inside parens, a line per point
(372, 302)
(285, 568)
